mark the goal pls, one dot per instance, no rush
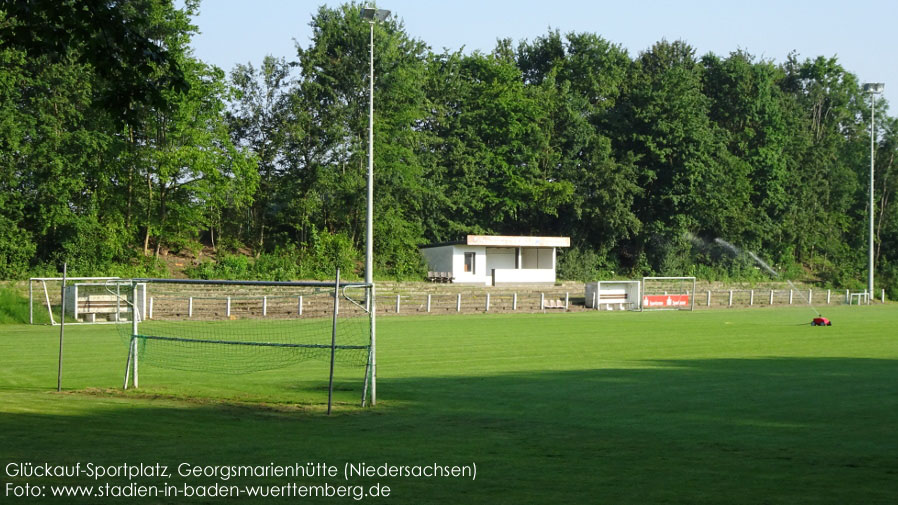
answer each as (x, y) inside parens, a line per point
(668, 293)
(858, 298)
(236, 327)
(87, 300)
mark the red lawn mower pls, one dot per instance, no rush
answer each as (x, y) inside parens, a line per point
(821, 321)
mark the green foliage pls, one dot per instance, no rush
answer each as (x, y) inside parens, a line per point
(103, 166)
(119, 39)
(14, 306)
(137, 266)
(888, 277)
(324, 252)
(259, 119)
(228, 266)
(317, 260)
(194, 170)
(584, 265)
(397, 254)
(16, 250)
(275, 267)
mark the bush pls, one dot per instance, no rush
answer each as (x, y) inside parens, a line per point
(228, 267)
(318, 260)
(324, 252)
(279, 265)
(397, 253)
(888, 279)
(584, 265)
(16, 250)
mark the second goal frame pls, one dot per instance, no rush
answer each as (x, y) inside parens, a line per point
(668, 293)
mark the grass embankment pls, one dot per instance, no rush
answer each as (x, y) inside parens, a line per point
(13, 306)
(741, 406)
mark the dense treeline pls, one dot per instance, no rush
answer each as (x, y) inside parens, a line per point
(642, 160)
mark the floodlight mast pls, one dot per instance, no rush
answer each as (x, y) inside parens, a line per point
(371, 15)
(874, 88)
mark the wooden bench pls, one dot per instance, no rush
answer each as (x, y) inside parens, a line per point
(442, 277)
(109, 305)
(613, 299)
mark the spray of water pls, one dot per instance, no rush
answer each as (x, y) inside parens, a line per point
(738, 252)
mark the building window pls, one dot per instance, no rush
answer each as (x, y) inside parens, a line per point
(469, 262)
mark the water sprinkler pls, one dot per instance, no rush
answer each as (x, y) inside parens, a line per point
(817, 321)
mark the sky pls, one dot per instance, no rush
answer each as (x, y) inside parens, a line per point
(859, 33)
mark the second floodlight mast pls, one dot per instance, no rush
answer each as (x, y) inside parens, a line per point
(371, 15)
(874, 88)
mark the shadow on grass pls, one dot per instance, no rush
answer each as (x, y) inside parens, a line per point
(685, 431)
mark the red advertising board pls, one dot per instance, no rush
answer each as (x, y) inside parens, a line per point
(661, 301)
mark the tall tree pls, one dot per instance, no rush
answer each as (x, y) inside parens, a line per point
(578, 79)
(260, 120)
(192, 170)
(55, 159)
(826, 192)
(119, 39)
(486, 127)
(17, 246)
(690, 182)
(747, 105)
(329, 163)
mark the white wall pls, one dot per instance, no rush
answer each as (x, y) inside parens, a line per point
(480, 275)
(525, 276)
(538, 264)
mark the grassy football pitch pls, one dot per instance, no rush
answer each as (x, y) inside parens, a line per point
(729, 406)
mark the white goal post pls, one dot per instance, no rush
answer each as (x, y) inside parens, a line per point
(668, 293)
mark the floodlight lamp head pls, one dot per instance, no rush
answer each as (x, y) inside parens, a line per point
(874, 87)
(374, 15)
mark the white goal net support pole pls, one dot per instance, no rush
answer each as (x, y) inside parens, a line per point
(668, 293)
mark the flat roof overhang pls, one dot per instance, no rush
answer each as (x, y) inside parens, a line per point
(518, 241)
(506, 241)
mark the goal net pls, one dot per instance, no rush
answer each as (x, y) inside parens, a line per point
(244, 326)
(668, 293)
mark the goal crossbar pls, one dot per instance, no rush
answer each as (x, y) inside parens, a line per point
(220, 282)
(259, 344)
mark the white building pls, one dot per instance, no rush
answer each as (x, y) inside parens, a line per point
(491, 260)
